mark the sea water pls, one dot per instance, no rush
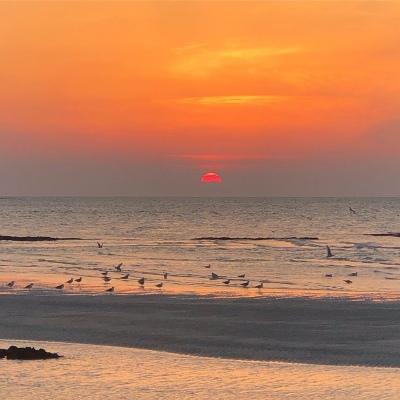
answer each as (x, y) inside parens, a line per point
(280, 242)
(103, 372)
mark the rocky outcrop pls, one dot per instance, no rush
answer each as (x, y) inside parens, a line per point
(26, 353)
(33, 238)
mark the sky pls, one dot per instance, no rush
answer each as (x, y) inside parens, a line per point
(142, 98)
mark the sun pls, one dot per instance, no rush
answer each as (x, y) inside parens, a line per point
(211, 177)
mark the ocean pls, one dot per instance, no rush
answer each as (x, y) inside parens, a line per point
(279, 242)
(200, 243)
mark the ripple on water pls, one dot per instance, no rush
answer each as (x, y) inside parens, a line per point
(103, 372)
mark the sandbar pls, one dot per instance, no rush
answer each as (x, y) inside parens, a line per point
(317, 331)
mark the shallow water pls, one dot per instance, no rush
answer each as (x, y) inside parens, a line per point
(279, 242)
(103, 372)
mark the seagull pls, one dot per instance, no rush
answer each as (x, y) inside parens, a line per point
(214, 276)
(245, 284)
(328, 275)
(118, 267)
(111, 289)
(160, 285)
(227, 282)
(70, 280)
(29, 286)
(106, 278)
(260, 286)
(166, 275)
(78, 279)
(99, 245)
(60, 286)
(241, 276)
(207, 266)
(125, 276)
(353, 274)
(141, 281)
(352, 210)
(348, 281)
(104, 273)
(11, 284)
(329, 253)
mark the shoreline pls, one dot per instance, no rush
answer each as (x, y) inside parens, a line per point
(311, 331)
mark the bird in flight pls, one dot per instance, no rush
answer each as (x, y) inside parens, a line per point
(118, 267)
(329, 253)
(99, 245)
(351, 210)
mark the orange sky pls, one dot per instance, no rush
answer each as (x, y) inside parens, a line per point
(263, 93)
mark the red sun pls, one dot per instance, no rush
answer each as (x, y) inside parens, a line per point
(211, 177)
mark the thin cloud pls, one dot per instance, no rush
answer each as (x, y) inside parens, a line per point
(216, 157)
(200, 61)
(232, 100)
(188, 48)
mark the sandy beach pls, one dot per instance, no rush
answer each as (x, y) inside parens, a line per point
(295, 330)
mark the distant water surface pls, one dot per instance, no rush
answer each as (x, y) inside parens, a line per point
(101, 372)
(280, 242)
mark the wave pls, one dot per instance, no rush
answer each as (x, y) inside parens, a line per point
(33, 238)
(255, 238)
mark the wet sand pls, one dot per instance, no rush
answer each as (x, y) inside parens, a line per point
(337, 332)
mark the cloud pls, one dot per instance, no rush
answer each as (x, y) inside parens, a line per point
(196, 60)
(232, 100)
(225, 161)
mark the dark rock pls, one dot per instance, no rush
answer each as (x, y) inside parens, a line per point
(33, 238)
(26, 353)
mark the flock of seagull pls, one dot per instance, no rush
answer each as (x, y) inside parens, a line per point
(329, 254)
(141, 281)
